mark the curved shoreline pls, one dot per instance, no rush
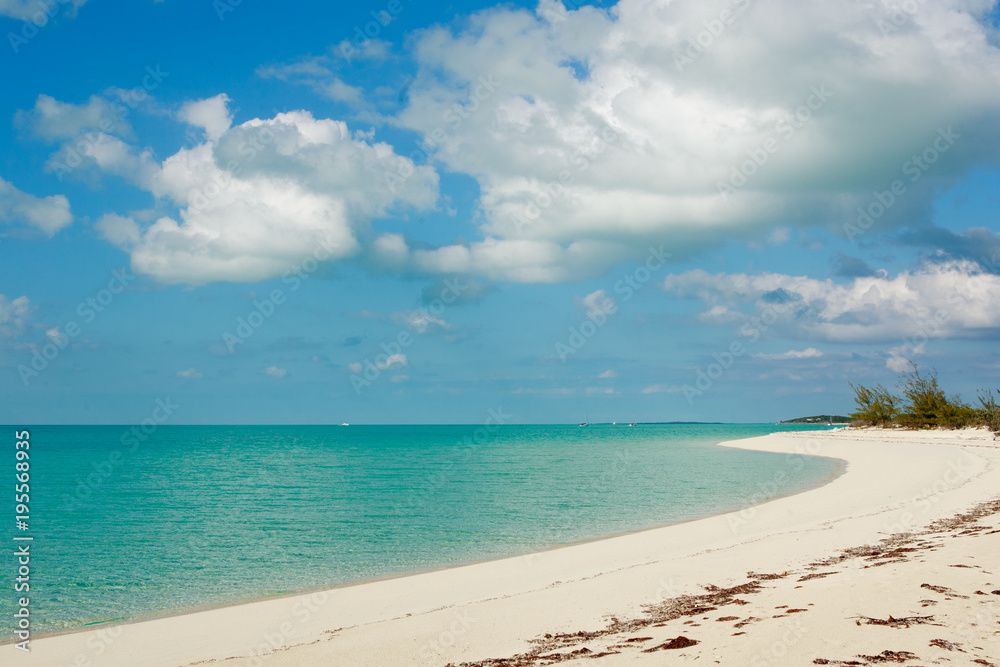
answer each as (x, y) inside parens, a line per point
(406, 606)
(112, 622)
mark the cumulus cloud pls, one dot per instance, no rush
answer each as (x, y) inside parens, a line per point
(120, 230)
(211, 115)
(49, 214)
(190, 374)
(978, 244)
(13, 315)
(592, 132)
(275, 372)
(258, 198)
(608, 374)
(951, 299)
(522, 260)
(51, 119)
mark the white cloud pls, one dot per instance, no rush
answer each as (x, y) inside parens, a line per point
(808, 353)
(13, 315)
(518, 260)
(339, 91)
(399, 378)
(662, 389)
(382, 363)
(211, 114)
(259, 200)
(49, 214)
(276, 372)
(420, 321)
(119, 230)
(370, 49)
(391, 361)
(901, 356)
(52, 119)
(29, 10)
(597, 304)
(319, 73)
(190, 374)
(584, 133)
(780, 236)
(951, 299)
(608, 374)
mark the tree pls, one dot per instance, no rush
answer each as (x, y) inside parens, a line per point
(928, 404)
(989, 411)
(876, 406)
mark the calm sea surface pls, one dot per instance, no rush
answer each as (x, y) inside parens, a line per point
(197, 515)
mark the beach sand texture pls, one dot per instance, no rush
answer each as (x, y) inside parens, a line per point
(896, 561)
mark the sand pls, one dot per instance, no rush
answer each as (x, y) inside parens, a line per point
(896, 561)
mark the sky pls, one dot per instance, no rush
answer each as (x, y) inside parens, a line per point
(415, 212)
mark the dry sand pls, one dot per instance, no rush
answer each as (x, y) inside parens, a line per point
(897, 561)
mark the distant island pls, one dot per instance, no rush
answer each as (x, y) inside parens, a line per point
(820, 419)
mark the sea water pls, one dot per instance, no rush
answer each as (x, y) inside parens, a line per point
(128, 525)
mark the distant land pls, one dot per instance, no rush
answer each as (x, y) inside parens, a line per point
(820, 419)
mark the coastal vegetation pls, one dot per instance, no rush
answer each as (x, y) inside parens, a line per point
(819, 419)
(923, 404)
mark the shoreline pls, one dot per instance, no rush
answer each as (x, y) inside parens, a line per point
(568, 583)
(123, 621)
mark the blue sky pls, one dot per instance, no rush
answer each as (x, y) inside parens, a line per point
(719, 211)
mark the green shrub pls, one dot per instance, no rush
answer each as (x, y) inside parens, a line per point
(876, 406)
(927, 405)
(988, 414)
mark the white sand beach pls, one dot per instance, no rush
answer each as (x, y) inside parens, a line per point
(833, 582)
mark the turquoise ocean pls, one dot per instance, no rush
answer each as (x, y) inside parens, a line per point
(194, 516)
